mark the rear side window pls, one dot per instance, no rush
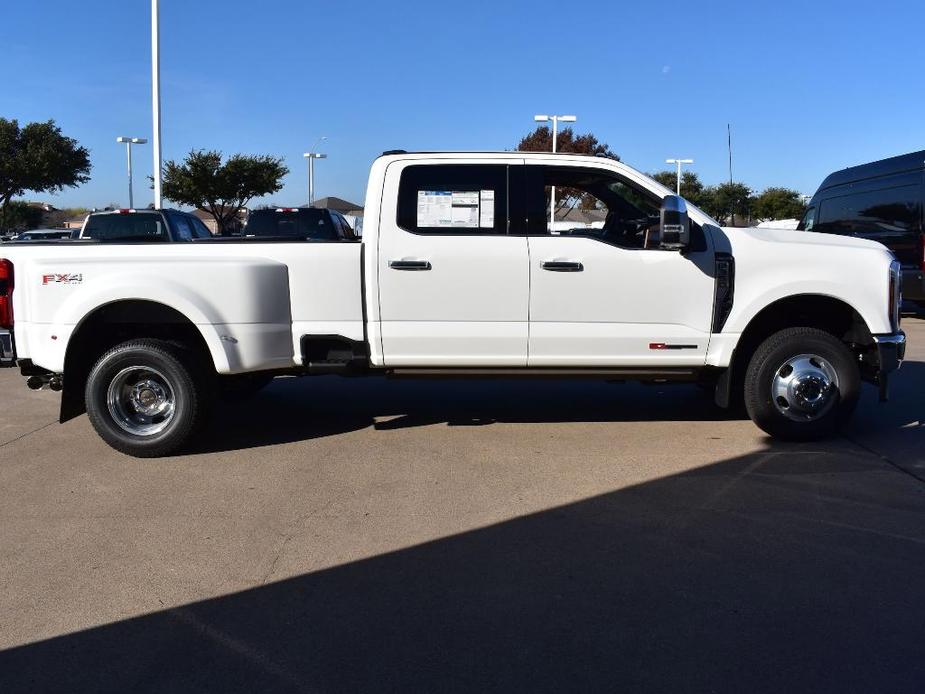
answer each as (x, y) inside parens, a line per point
(453, 199)
(133, 226)
(872, 214)
(305, 223)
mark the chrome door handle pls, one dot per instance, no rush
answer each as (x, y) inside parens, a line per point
(410, 264)
(562, 266)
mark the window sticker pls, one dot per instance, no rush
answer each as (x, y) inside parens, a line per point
(465, 209)
(435, 208)
(457, 209)
(487, 209)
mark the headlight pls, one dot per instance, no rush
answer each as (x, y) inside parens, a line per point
(895, 294)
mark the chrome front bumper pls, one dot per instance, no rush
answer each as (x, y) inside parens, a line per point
(7, 353)
(891, 350)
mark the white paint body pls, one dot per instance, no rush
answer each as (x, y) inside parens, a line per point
(486, 302)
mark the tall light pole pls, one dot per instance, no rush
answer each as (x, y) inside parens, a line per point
(311, 156)
(543, 118)
(129, 141)
(679, 162)
(156, 99)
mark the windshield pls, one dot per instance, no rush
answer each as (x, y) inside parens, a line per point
(808, 221)
(300, 223)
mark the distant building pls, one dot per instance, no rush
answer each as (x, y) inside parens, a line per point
(581, 217)
(345, 207)
(43, 206)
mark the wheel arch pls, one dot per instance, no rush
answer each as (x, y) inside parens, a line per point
(831, 314)
(118, 321)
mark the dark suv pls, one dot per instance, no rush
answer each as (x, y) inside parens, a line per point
(308, 223)
(881, 201)
(143, 225)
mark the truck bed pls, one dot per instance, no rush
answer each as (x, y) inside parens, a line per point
(251, 300)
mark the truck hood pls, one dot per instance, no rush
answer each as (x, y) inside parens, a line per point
(803, 238)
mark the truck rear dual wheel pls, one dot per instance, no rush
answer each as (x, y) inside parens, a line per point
(144, 398)
(801, 384)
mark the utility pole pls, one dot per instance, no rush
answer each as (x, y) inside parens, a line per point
(729, 139)
(543, 118)
(156, 99)
(679, 162)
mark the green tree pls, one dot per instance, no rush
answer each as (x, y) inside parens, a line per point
(39, 158)
(692, 189)
(21, 216)
(204, 182)
(540, 140)
(728, 202)
(778, 203)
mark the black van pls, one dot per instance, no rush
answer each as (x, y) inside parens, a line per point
(881, 201)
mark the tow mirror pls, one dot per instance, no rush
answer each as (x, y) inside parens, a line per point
(675, 226)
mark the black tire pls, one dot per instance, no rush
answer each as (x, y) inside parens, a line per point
(767, 367)
(136, 363)
(242, 386)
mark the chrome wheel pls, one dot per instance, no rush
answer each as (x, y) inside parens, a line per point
(141, 400)
(804, 387)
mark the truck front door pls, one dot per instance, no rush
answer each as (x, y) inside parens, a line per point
(602, 293)
(453, 283)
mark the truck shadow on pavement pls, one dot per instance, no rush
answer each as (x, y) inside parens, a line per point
(301, 409)
(292, 410)
(790, 569)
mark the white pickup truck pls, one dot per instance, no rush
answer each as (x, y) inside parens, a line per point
(457, 273)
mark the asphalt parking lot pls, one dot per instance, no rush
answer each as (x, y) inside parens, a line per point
(374, 535)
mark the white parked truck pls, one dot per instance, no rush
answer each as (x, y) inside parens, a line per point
(458, 273)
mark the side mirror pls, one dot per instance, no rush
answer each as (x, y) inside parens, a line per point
(675, 226)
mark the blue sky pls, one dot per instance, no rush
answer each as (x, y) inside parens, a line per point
(809, 87)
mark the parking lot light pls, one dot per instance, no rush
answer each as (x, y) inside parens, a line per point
(156, 98)
(129, 141)
(311, 156)
(679, 162)
(543, 118)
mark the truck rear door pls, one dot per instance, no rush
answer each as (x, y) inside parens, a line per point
(453, 283)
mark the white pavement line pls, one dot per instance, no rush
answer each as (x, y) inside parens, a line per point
(186, 616)
(858, 528)
(884, 458)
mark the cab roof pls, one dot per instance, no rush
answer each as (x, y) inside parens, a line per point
(914, 161)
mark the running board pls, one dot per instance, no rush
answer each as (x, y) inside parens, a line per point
(640, 374)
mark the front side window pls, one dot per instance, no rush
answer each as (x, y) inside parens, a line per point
(182, 229)
(592, 203)
(200, 230)
(453, 199)
(873, 214)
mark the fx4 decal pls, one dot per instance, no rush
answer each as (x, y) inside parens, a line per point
(66, 278)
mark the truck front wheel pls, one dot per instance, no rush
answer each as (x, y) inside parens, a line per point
(143, 398)
(801, 384)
